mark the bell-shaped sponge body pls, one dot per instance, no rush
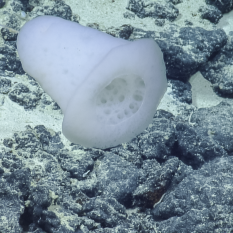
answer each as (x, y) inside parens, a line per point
(108, 88)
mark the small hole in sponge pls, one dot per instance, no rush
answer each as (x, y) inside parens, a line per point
(131, 106)
(103, 101)
(137, 97)
(109, 87)
(120, 116)
(139, 83)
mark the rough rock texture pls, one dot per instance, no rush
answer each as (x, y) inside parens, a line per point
(199, 200)
(62, 191)
(219, 69)
(22, 95)
(181, 91)
(212, 123)
(5, 85)
(212, 13)
(224, 6)
(8, 61)
(157, 9)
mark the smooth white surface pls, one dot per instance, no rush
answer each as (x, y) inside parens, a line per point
(74, 65)
(60, 54)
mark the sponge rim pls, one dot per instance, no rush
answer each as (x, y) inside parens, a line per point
(91, 133)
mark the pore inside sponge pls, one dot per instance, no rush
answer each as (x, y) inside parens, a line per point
(108, 88)
(120, 99)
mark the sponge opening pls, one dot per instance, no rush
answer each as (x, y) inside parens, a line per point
(120, 99)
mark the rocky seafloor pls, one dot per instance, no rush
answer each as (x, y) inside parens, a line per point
(175, 177)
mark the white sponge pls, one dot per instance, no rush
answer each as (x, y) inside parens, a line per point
(108, 88)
